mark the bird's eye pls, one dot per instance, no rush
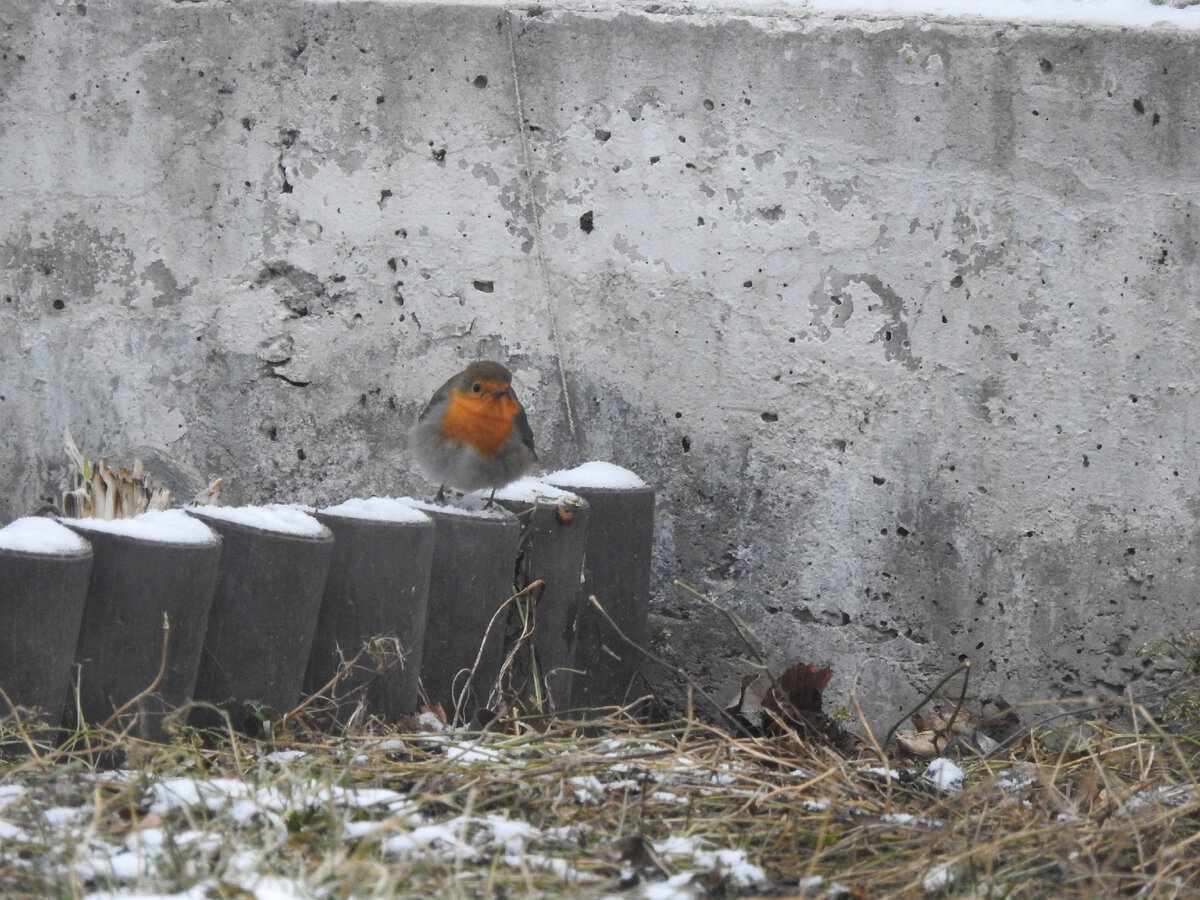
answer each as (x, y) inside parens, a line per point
(477, 388)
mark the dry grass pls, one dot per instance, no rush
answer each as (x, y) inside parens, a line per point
(611, 806)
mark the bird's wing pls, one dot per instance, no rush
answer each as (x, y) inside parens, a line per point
(521, 423)
(439, 398)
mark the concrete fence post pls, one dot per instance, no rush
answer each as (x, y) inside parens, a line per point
(616, 572)
(156, 566)
(554, 528)
(44, 571)
(471, 576)
(274, 560)
(375, 604)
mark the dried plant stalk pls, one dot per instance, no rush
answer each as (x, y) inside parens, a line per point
(98, 491)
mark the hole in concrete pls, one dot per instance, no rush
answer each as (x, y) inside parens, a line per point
(708, 105)
(1138, 106)
(485, 287)
(902, 531)
(770, 417)
(956, 281)
(687, 443)
(587, 222)
(58, 304)
(878, 479)
(1046, 66)
(480, 81)
(602, 135)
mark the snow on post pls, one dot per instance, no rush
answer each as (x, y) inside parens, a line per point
(617, 573)
(375, 603)
(471, 576)
(554, 528)
(44, 571)
(153, 570)
(274, 560)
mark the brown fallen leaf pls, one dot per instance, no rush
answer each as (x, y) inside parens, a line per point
(922, 744)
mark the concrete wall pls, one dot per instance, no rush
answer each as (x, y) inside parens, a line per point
(900, 316)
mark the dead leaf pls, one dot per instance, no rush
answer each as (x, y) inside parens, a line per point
(922, 744)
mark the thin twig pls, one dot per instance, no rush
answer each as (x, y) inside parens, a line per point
(654, 657)
(460, 700)
(735, 620)
(962, 696)
(20, 728)
(965, 664)
(340, 675)
(152, 686)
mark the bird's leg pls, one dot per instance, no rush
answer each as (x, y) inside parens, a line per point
(491, 500)
(440, 499)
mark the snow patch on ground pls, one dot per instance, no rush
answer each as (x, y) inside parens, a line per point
(945, 775)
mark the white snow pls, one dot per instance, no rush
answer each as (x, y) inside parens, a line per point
(678, 887)
(34, 534)
(945, 775)
(168, 526)
(889, 773)
(382, 509)
(735, 865)
(278, 517)
(534, 490)
(938, 878)
(596, 474)
(470, 506)
(10, 832)
(1131, 13)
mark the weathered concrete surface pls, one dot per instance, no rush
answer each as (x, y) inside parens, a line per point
(898, 316)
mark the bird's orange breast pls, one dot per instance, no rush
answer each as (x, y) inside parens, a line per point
(482, 421)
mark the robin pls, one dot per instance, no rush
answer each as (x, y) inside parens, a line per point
(473, 433)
